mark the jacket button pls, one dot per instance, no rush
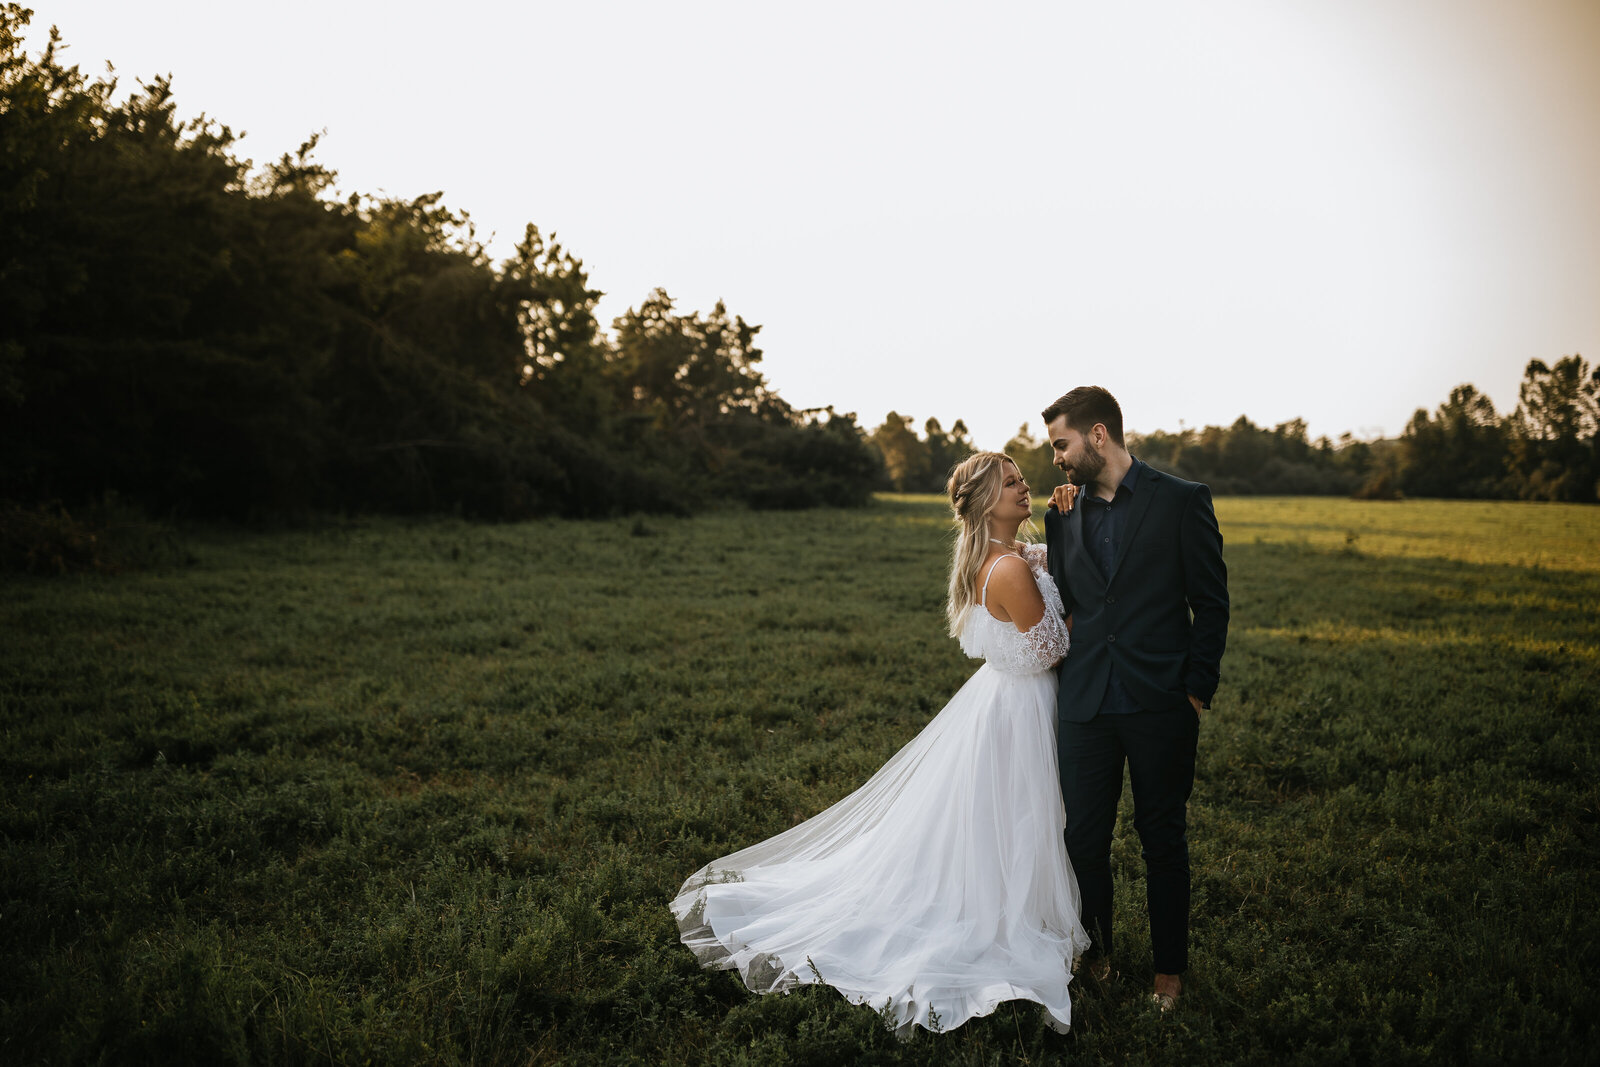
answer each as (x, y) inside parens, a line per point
(1111, 638)
(1111, 600)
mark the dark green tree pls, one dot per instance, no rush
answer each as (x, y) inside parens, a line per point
(945, 450)
(906, 458)
(1034, 461)
(1246, 458)
(1553, 433)
(1460, 451)
(686, 370)
(564, 355)
(1162, 449)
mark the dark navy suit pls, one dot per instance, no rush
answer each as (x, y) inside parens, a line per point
(1148, 631)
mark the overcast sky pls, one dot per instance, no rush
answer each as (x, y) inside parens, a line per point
(1332, 209)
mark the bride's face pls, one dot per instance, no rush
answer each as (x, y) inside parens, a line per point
(1015, 503)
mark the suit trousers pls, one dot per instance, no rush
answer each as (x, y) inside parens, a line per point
(1159, 750)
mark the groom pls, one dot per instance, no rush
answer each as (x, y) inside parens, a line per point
(1138, 559)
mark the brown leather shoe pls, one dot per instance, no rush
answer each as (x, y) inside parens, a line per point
(1099, 968)
(1169, 987)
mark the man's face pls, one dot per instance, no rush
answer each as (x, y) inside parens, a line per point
(1074, 453)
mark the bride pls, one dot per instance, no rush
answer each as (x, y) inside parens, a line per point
(941, 887)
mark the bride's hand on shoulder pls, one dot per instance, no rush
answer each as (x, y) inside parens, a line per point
(1063, 497)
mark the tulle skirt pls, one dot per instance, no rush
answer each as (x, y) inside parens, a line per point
(935, 892)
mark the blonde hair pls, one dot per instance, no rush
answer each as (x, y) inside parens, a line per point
(974, 487)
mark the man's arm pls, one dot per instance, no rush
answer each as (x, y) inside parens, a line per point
(1205, 581)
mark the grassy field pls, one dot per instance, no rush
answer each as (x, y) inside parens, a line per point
(399, 792)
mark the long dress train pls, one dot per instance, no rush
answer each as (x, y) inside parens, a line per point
(940, 888)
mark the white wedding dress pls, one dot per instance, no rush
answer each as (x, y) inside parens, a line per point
(939, 889)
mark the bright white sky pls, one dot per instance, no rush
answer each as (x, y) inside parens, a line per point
(1333, 209)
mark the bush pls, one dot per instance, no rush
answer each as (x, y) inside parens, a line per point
(1383, 484)
(49, 539)
(778, 466)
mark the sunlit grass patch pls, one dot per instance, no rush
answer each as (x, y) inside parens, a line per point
(1557, 536)
(1449, 641)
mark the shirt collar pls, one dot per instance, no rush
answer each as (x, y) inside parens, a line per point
(1129, 482)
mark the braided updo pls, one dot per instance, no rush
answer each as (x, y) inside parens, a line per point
(974, 487)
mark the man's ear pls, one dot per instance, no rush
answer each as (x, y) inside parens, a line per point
(1101, 434)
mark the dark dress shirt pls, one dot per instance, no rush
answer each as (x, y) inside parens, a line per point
(1103, 522)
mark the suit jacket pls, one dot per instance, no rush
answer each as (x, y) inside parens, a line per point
(1160, 617)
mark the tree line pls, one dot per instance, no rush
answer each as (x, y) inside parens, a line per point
(1546, 448)
(202, 337)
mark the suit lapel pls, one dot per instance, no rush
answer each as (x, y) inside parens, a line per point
(1077, 555)
(1149, 481)
(1055, 539)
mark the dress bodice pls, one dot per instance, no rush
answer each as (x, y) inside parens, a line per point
(1001, 644)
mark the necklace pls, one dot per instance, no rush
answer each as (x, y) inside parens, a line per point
(1006, 544)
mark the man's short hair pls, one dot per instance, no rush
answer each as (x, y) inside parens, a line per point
(1085, 406)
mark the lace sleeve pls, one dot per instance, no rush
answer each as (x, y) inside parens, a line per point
(1037, 555)
(1047, 643)
(1039, 648)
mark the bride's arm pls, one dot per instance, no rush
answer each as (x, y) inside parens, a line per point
(1014, 593)
(1014, 596)
(1051, 639)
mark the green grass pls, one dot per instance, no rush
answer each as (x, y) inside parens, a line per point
(418, 792)
(1535, 535)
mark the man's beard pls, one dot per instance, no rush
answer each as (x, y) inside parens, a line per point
(1089, 466)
